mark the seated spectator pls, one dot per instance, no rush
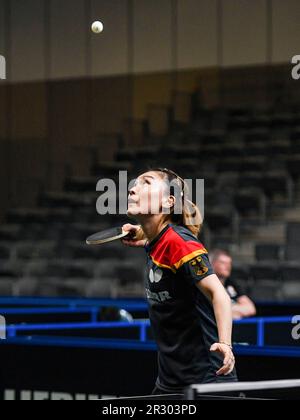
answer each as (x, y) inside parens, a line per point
(242, 305)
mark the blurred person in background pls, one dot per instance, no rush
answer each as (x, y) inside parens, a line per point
(242, 305)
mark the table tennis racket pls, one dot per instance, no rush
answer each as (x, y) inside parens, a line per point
(106, 236)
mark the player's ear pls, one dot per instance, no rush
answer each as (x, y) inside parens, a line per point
(169, 202)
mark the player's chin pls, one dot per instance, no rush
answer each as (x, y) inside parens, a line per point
(132, 211)
(137, 211)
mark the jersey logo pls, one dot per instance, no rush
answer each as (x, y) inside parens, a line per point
(158, 297)
(198, 266)
(155, 276)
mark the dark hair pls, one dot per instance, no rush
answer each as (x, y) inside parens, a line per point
(190, 217)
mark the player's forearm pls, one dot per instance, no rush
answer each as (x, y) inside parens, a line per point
(223, 313)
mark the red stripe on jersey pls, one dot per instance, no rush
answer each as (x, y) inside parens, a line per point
(172, 251)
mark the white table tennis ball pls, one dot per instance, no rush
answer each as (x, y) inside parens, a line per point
(97, 27)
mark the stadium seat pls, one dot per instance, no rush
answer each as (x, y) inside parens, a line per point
(24, 216)
(250, 202)
(10, 270)
(250, 180)
(103, 287)
(266, 291)
(81, 184)
(72, 269)
(278, 183)
(291, 290)
(240, 273)
(232, 165)
(221, 222)
(265, 271)
(36, 250)
(256, 149)
(279, 148)
(258, 136)
(293, 166)
(268, 252)
(291, 272)
(10, 232)
(128, 273)
(27, 286)
(7, 287)
(253, 164)
(292, 252)
(4, 252)
(293, 233)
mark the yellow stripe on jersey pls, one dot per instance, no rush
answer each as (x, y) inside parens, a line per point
(189, 257)
(163, 265)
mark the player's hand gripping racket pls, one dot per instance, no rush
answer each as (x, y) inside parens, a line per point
(131, 234)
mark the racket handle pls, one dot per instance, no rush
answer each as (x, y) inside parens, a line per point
(140, 235)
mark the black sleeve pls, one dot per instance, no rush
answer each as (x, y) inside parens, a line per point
(197, 269)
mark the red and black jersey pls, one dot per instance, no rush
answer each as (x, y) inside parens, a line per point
(182, 318)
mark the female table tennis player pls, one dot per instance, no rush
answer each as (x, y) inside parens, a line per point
(189, 309)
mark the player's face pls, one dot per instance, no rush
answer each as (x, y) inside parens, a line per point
(223, 266)
(147, 195)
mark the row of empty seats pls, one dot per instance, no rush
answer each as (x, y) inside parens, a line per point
(250, 161)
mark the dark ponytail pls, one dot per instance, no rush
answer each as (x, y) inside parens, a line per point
(190, 215)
